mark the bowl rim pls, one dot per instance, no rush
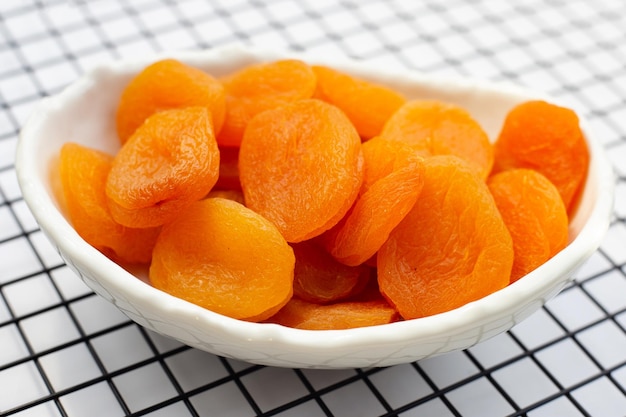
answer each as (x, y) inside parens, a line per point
(142, 295)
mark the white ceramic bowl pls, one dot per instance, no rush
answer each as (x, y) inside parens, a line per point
(84, 113)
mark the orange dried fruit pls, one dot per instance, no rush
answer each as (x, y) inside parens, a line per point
(438, 128)
(301, 166)
(235, 195)
(319, 278)
(261, 87)
(392, 182)
(168, 84)
(83, 172)
(367, 104)
(451, 248)
(547, 138)
(169, 162)
(301, 314)
(224, 257)
(535, 215)
(56, 185)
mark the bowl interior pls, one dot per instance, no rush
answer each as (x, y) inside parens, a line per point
(85, 112)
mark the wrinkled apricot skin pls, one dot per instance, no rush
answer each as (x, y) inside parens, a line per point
(300, 314)
(452, 247)
(301, 166)
(168, 84)
(367, 105)
(224, 257)
(169, 162)
(438, 128)
(319, 278)
(261, 87)
(234, 195)
(392, 183)
(83, 172)
(534, 214)
(547, 138)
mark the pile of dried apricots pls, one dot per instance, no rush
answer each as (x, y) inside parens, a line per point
(301, 195)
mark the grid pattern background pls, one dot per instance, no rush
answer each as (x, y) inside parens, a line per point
(66, 352)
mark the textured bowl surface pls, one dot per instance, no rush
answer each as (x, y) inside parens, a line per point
(84, 113)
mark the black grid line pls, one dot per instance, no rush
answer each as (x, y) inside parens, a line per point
(553, 45)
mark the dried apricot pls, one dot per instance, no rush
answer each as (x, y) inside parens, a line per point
(319, 278)
(368, 105)
(261, 87)
(168, 84)
(301, 314)
(301, 166)
(391, 185)
(451, 248)
(438, 128)
(169, 162)
(235, 195)
(547, 138)
(222, 256)
(535, 215)
(83, 172)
